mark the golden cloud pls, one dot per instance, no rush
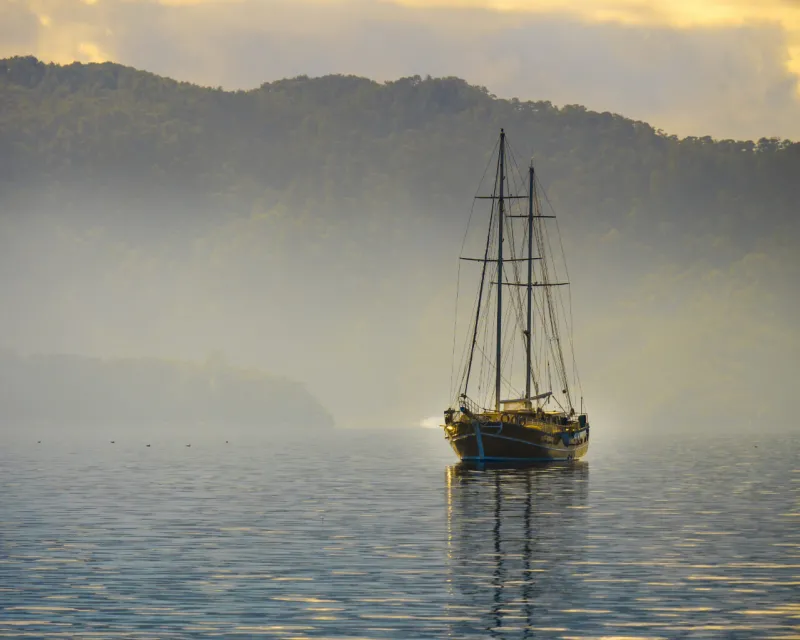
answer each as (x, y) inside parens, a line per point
(682, 14)
(66, 33)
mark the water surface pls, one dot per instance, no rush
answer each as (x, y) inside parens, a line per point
(377, 535)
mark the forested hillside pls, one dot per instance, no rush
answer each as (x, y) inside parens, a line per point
(327, 141)
(311, 227)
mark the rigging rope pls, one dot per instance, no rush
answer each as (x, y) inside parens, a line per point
(545, 342)
(461, 254)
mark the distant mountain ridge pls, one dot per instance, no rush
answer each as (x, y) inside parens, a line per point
(66, 390)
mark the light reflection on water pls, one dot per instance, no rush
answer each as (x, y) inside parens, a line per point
(510, 540)
(378, 535)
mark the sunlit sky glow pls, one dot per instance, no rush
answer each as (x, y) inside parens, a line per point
(682, 14)
(730, 68)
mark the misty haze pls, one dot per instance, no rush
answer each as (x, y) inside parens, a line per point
(310, 229)
(233, 313)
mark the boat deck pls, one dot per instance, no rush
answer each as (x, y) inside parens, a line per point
(548, 421)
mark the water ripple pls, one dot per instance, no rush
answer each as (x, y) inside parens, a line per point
(377, 535)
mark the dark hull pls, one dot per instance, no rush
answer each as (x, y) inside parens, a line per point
(513, 443)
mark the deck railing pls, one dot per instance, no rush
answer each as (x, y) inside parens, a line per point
(469, 405)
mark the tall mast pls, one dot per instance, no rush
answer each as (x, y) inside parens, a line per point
(530, 286)
(500, 222)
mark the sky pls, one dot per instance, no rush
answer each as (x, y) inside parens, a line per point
(726, 68)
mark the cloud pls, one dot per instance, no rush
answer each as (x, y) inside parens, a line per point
(57, 30)
(704, 67)
(19, 28)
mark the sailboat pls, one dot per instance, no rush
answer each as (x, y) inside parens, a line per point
(519, 308)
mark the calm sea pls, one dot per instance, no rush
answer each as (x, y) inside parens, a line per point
(377, 535)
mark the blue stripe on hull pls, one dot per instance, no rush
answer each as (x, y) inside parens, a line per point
(498, 459)
(514, 446)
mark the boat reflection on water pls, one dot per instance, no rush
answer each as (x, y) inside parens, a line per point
(514, 536)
